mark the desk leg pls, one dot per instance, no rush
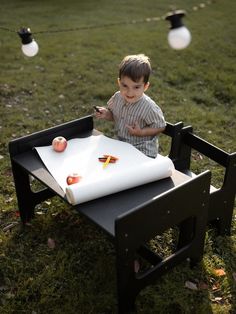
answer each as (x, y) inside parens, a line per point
(24, 194)
(126, 288)
(27, 199)
(192, 230)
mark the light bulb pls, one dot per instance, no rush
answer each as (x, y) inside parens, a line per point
(179, 36)
(31, 49)
(29, 46)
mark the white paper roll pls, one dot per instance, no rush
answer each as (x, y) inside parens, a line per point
(81, 156)
(135, 175)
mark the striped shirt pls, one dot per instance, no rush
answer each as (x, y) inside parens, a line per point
(145, 112)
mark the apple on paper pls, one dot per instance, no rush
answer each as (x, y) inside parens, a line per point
(73, 178)
(59, 144)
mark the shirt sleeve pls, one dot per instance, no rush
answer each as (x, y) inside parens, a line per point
(155, 117)
(111, 101)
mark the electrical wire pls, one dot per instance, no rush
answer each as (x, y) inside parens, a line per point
(197, 7)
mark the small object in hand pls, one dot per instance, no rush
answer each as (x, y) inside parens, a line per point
(59, 144)
(97, 109)
(73, 178)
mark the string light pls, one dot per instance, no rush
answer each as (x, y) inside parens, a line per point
(29, 46)
(178, 37)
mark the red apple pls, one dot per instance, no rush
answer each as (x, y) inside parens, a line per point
(59, 144)
(73, 178)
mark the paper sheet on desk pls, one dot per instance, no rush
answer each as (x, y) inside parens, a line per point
(81, 155)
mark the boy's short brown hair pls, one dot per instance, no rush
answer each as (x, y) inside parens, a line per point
(135, 67)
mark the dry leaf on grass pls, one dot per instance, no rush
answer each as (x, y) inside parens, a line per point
(219, 272)
(51, 243)
(10, 226)
(17, 213)
(217, 300)
(216, 286)
(202, 285)
(190, 285)
(8, 199)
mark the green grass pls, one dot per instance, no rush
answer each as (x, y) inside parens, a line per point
(72, 72)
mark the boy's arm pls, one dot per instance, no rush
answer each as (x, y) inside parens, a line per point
(137, 131)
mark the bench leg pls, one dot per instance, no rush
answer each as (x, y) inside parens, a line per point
(224, 224)
(221, 211)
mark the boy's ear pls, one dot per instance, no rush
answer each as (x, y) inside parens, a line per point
(118, 81)
(146, 86)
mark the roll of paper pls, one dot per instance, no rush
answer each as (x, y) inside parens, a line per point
(131, 169)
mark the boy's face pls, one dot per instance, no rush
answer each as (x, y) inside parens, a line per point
(130, 90)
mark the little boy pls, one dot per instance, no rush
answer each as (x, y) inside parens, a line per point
(137, 118)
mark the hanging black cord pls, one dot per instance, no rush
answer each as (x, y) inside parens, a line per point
(146, 20)
(91, 26)
(7, 29)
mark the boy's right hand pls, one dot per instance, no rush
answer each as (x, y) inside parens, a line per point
(100, 112)
(103, 113)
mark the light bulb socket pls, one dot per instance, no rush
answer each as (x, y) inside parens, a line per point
(175, 18)
(25, 35)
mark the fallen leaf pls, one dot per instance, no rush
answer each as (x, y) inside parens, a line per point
(202, 285)
(219, 272)
(191, 285)
(217, 300)
(28, 224)
(39, 212)
(51, 243)
(200, 156)
(10, 226)
(17, 213)
(216, 286)
(9, 200)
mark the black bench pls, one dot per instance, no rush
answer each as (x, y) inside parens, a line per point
(221, 203)
(132, 217)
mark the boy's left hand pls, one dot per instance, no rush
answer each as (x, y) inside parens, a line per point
(135, 129)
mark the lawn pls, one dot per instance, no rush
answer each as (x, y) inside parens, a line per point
(60, 263)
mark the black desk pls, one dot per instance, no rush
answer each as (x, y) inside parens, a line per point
(130, 217)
